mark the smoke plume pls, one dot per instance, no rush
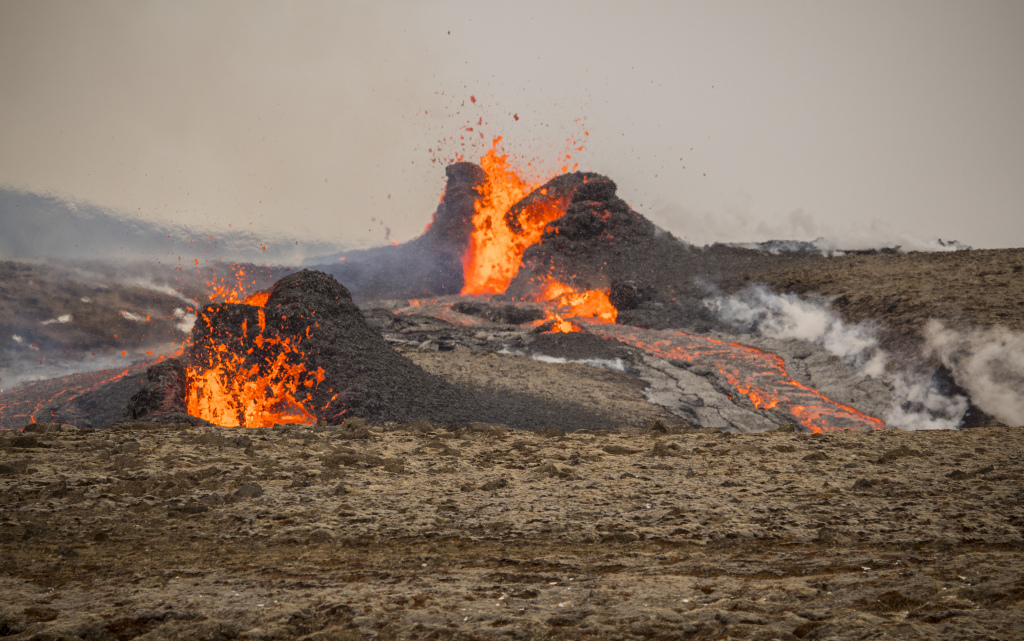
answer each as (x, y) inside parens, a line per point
(987, 363)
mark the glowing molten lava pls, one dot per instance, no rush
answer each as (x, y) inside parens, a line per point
(496, 248)
(565, 301)
(259, 299)
(224, 290)
(256, 382)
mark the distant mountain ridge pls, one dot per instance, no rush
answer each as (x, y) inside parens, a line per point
(46, 226)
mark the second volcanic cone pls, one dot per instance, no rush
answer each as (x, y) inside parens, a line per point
(307, 354)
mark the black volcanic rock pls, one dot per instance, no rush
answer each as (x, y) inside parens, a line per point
(452, 222)
(597, 229)
(429, 265)
(653, 279)
(162, 397)
(629, 294)
(557, 192)
(361, 375)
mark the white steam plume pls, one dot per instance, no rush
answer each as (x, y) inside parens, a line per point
(919, 403)
(758, 310)
(987, 363)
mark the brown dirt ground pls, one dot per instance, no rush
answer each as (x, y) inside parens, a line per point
(480, 532)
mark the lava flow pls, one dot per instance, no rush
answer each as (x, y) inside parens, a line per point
(760, 376)
(564, 302)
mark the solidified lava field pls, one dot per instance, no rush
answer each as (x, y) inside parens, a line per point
(575, 448)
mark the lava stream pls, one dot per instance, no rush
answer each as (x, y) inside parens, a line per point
(760, 376)
(565, 301)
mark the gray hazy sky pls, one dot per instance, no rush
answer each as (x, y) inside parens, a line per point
(859, 121)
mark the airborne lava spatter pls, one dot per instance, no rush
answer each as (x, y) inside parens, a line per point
(257, 379)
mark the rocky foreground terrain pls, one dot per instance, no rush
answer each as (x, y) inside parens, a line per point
(427, 531)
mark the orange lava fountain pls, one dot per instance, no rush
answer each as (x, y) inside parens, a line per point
(495, 257)
(496, 249)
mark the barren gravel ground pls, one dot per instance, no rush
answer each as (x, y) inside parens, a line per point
(978, 288)
(615, 396)
(478, 532)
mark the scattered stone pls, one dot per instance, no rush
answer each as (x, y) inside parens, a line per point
(495, 484)
(250, 490)
(213, 500)
(11, 468)
(188, 510)
(552, 432)
(551, 470)
(619, 537)
(319, 536)
(353, 432)
(128, 447)
(662, 449)
(27, 442)
(960, 475)
(618, 450)
(831, 536)
(42, 428)
(657, 426)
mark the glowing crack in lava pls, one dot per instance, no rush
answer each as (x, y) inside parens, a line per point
(257, 382)
(760, 376)
(496, 247)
